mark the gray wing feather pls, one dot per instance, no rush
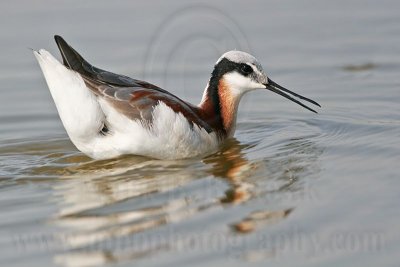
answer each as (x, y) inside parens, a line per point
(134, 98)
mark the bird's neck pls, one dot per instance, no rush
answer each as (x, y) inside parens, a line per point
(219, 105)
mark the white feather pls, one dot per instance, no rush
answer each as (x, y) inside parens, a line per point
(78, 108)
(170, 136)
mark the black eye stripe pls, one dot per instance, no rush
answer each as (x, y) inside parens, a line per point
(245, 69)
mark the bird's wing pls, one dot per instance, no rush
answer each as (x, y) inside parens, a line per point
(137, 103)
(76, 62)
(134, 98)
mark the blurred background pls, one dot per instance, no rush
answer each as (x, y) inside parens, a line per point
(291, 189)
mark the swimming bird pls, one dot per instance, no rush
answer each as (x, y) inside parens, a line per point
(107, 115)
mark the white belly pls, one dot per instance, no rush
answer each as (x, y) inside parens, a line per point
(169, 136)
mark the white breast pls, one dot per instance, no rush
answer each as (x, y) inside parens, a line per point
(170, 136)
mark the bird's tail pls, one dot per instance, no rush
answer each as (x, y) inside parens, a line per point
(77, 106)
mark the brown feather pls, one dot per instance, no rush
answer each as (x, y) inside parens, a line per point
(228, 104)
(137, 103)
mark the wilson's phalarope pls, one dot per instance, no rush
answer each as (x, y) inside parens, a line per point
(107, 115)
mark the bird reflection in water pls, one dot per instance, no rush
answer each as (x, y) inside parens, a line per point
(110, 206)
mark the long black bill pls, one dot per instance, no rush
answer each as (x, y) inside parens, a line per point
(276, 88)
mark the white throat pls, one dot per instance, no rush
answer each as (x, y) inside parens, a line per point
(240, 84)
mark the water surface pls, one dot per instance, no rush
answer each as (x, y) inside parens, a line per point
(291, 189)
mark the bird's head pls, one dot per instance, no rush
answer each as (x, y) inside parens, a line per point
(239, 72)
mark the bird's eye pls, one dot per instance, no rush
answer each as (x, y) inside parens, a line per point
(246, 69)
